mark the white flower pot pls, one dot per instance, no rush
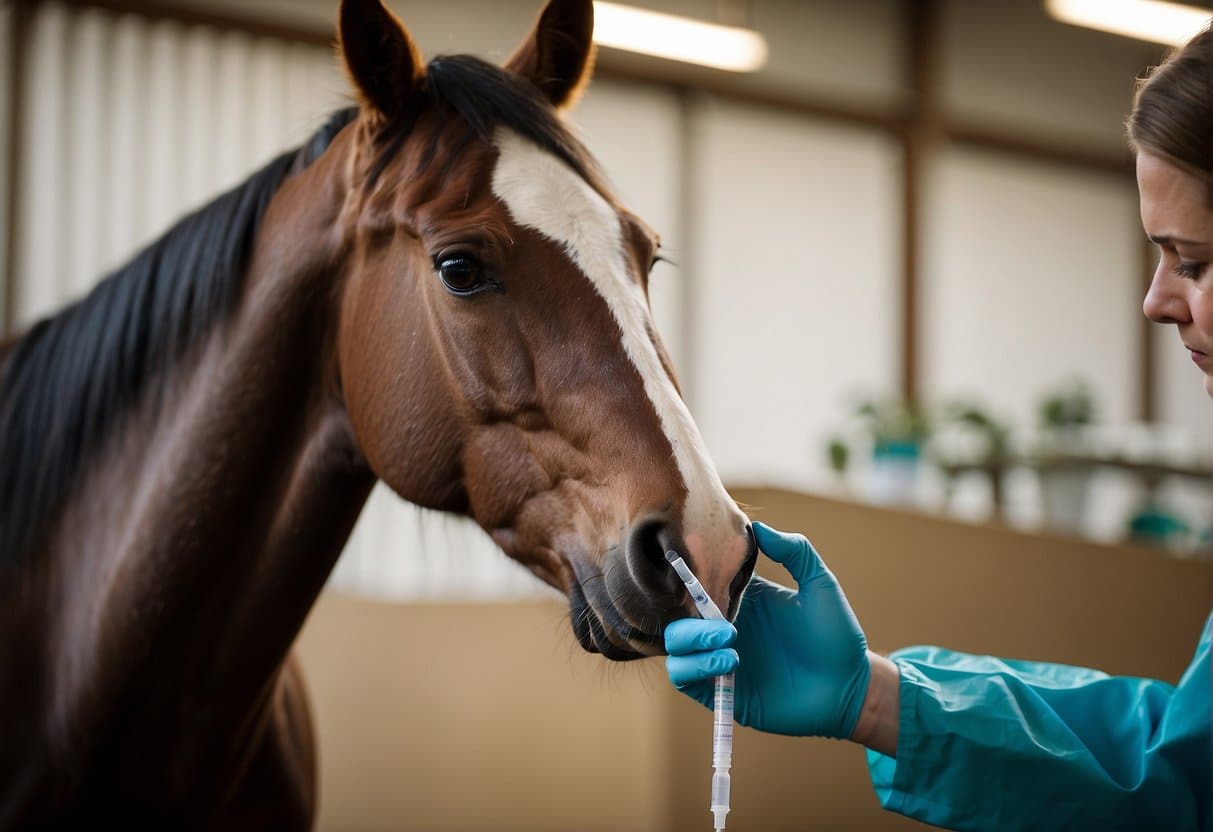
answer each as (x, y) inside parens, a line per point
(893, 478)
(1063, 492)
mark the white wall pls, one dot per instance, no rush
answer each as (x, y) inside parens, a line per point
(843, 48)
(490, 28)
(1030, 276)
(795, 288)
(1006, 63)
(848, 50)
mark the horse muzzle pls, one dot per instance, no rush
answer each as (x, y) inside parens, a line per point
(622, 609)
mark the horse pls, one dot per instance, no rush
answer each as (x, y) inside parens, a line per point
(438, 289)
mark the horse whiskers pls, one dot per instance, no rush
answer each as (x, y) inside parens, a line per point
(574, 644)
(644, 626)
(561, 622)
(584, 614)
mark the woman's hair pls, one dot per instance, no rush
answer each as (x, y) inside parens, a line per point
(1172, 115)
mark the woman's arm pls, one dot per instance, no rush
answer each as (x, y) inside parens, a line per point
(989, 743)
(879, 721)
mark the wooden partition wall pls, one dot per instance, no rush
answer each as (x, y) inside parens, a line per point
(489, 717)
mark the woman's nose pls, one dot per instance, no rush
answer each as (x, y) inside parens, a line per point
(1164, 303)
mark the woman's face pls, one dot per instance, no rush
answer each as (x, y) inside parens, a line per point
(1176, 215)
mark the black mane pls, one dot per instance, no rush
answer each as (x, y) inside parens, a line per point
(70, 379)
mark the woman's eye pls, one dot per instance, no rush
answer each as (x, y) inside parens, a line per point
(1191, 270)
(461, 274)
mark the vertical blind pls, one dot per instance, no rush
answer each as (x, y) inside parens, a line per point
(6, 46)
(127, 124)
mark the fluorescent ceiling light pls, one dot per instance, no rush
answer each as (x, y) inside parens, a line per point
(1152, 20)
(678, 38)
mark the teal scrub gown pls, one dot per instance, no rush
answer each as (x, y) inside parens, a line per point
(994, 744)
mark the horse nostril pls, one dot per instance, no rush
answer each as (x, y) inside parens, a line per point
(647, 544)
(742, 578)
(646, 549)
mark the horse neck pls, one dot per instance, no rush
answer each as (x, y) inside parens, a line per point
(204, 532)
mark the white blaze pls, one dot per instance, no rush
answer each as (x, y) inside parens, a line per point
(543, 193)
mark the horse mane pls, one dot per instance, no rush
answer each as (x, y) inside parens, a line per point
(71, 377)
(66, 382)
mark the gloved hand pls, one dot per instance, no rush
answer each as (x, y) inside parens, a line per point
(801, 658)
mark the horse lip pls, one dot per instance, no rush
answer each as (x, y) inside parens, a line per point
(591, 630)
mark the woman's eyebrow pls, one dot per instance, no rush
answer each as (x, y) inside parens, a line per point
(1165, 240)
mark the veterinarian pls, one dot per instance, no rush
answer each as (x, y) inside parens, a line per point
(976, 742)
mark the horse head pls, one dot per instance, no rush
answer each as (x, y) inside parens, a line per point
(497, 354)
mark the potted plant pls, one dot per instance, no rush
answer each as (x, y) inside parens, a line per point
(971, 440)
(1065, 414)
(993, 446)
(838, 455)
(899, 429)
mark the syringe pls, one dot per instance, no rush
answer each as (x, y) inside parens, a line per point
(722, 723)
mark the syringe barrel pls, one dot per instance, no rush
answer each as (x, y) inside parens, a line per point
(722, 722)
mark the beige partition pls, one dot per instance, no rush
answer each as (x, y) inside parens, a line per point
(489, 717)
(479, 716)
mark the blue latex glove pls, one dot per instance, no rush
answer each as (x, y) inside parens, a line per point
(801, 658)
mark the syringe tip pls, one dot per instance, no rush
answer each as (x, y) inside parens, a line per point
(671, 555)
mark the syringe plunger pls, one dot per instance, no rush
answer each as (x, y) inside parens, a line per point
(720, 798)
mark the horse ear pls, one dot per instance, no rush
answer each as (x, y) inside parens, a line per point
(558, 56)
(380, 56)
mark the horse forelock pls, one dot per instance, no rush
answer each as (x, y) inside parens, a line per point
(473, 96)
(72, 377)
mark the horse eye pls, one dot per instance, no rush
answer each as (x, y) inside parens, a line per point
(461, 274)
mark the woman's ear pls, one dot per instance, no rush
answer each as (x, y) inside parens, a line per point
(558, 56)
(379, 55)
